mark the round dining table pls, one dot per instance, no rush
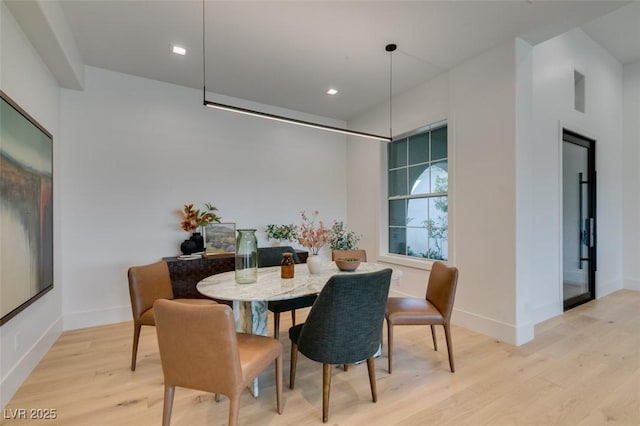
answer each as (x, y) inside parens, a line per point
(250, 300)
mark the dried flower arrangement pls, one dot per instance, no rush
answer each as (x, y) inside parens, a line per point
(311, 237)
(192, 219)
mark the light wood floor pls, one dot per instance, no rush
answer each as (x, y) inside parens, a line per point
(583, 368)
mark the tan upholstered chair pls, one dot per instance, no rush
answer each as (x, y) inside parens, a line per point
(435, 309)
(147, 284)
(358, 254)
(200, 349)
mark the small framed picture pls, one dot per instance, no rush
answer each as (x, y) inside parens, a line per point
(220, 238)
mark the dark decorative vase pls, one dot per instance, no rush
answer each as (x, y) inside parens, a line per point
(196, 237)
(188, 247)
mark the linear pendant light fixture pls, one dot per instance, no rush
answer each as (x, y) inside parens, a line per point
(389, 48)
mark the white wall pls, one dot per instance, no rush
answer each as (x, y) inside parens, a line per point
(505, 109)
(631, 176)
(422, 105)
(478, 98)
(483, 110)
(525, 184)
(554, 63)
(135, 150)
(25, 78)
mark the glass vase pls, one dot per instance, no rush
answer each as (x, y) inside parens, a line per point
(246, 256)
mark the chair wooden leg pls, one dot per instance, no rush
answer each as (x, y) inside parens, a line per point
(276, 325)
(279, 384)
(371, 366)
(345, 367)
(217, 397)
(433, 336)
(234, 409)
(390, 343)
(169, 392)
(326, 388)
(293, 317)
(136, 338)
(292, 366)
(447, 334)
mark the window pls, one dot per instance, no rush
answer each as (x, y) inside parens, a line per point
(418, 181)
(579, 91)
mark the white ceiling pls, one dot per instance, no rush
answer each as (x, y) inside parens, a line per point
(618, 32)
(289, 53)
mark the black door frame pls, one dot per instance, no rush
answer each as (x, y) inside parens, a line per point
(591, 180)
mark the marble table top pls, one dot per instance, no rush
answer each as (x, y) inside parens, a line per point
(271, 287)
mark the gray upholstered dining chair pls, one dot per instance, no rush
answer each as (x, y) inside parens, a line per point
(358, 254)
(272, 256)
(344, 326)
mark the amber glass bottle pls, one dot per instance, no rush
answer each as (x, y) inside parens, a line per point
(286, 266)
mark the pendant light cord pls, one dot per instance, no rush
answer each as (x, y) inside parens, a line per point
(204, 73)
(391, 47)
(391, 95)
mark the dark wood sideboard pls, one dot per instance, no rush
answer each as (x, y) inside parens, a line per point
(185, 274)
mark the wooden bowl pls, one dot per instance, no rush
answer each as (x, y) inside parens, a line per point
(347, 264)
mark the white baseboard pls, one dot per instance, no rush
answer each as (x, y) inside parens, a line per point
(603, 289)
(97, 317)
(632, 284)
(544, 312)
(12, 381)
(508, 333)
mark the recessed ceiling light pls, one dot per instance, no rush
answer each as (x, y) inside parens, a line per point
(179, 50)
(332, 92)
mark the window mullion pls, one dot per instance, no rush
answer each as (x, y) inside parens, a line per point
(417, 196)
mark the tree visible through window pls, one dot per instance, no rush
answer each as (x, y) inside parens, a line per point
(418, 181)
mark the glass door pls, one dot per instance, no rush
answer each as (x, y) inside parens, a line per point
(579, 221)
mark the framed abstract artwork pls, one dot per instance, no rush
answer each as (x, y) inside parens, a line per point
(219, 238)
(26, 209)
